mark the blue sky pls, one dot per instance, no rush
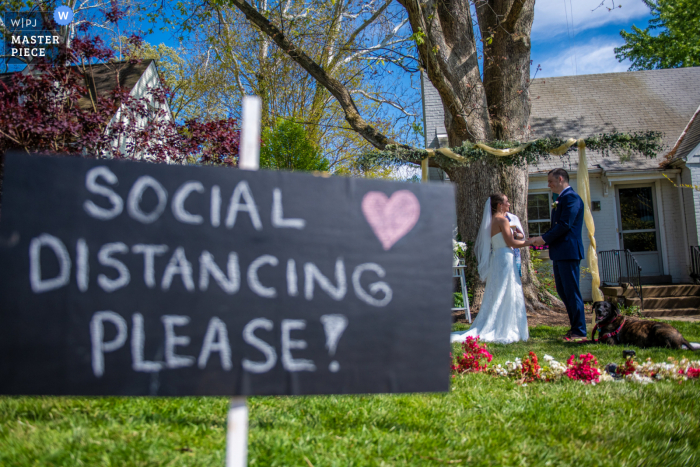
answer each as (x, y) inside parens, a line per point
(554, 46)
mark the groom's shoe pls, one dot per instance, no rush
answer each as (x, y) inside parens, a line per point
(575, 338)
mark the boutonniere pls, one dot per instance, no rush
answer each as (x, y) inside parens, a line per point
(555, 204)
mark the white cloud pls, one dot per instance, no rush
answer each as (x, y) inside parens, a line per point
(551, 15)
(596, 56)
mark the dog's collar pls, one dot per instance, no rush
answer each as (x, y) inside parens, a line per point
(609, 334)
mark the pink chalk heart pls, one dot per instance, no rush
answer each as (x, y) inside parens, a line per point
(391, 218)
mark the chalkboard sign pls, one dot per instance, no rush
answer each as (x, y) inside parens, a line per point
(126, 278)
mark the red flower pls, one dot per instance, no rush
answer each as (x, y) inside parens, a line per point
(629, 367)
(530, 369)
(471, 359)
(583, 370)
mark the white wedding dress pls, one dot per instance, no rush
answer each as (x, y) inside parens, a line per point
(502, 317)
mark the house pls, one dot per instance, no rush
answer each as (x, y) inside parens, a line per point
(635, 205)
(135, 78)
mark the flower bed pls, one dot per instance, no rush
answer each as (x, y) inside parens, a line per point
(585, 368)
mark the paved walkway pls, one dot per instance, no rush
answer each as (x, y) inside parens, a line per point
(680, 318)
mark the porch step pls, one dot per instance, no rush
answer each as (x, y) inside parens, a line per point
(651, 280)
(652, 291)
(673, 290)
(612, 291)
(660, 313)
(660, 303)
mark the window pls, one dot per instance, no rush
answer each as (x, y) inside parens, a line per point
(538, 211)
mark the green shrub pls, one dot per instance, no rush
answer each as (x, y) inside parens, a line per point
(286, 146)
(632, 310)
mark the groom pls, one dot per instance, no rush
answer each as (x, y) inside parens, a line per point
(566, 249)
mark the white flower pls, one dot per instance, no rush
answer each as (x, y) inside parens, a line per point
(637, 378)
(605, 377)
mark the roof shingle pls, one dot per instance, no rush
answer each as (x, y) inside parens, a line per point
(585, 105)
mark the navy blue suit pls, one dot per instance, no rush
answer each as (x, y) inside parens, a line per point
(566, 253)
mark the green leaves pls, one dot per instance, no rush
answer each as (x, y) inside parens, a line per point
(418, 37)
(678, 43)
(288, 147)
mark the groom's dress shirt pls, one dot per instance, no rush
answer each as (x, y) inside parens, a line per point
(515, 222)
(564, 237)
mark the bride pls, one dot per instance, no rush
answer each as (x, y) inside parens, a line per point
(502, 317)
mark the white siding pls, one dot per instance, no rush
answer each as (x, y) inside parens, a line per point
(689, 202)
(433, 112)
(695, 180)
(674, 246)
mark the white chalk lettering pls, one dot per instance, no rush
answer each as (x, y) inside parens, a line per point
(278, 215)
(312, 273)
(38, 284)
(288, 362)
(178, 265)
(267, 350)
(138, 340)
(374, 288)
(254, 282)
(172, 360)
(243, 190)
(216, 330)
(91, 184)
(292, 282)
(215, 209)
(133, 202)
(97, 334)
(207, 267)
(178, 205)
(82, 266)
(105, 258)
(149, 252)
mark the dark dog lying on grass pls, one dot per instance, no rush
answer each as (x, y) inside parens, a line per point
(617, 329)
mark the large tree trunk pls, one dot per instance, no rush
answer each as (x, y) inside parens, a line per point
(497, 108)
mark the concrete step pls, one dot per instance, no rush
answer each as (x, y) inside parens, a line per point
(654, 291)
(670, 312)
(673, 290)
(612, 291)
(658, 303)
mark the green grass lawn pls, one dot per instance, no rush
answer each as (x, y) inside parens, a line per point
(482, 421)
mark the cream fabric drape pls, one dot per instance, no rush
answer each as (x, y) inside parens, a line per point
(584, 191)
(583, 188)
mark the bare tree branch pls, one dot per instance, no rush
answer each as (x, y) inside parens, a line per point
(335, 87)
(383, 101)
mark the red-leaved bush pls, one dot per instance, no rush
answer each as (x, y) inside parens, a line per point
(55, 106)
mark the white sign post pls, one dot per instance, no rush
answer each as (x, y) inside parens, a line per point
(249, 159)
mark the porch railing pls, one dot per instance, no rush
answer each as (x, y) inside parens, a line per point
(619, 267)
(695, 263)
